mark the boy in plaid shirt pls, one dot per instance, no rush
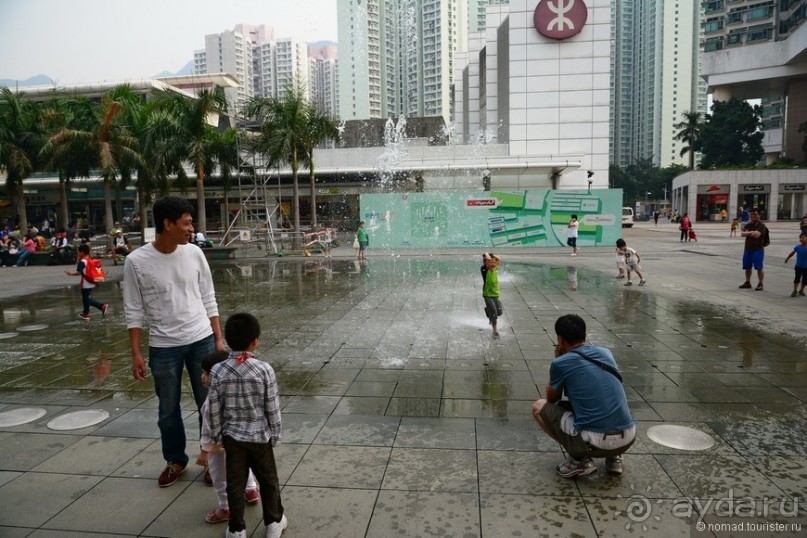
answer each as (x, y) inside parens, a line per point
(244, 416)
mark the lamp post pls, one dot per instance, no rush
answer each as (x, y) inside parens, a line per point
(646, 206)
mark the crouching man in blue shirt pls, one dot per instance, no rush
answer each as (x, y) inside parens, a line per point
(594, 421)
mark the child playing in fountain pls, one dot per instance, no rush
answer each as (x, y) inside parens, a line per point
(490, 289)
(244, 415)
(800, 251)
(213, 457)
(632, 260)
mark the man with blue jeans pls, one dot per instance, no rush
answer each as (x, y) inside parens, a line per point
(595, 421)
(168, 283)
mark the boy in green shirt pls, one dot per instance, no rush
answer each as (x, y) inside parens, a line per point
(364, 241)
(490, 289)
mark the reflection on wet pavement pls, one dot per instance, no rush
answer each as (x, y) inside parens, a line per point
(396, 395)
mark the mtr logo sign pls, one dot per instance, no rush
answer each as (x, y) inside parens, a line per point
(560, 19)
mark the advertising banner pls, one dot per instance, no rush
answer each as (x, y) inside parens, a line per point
(532, 218)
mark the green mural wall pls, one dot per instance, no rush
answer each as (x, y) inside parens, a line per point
(534, 218)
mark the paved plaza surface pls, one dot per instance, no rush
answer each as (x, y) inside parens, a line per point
(403, 417)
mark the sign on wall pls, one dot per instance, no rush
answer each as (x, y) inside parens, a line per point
(560, 19)
(532, 218)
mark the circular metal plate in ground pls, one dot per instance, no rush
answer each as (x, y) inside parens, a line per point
(78, 419)
(23, 415)
(3, 336)
(680, 437)
(29, 328)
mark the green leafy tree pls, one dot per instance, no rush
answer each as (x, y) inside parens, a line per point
(689, 134)
(283, 135)
(96, 141)
(321, 127)
(731, 135)
(21, 139)
(194, 139)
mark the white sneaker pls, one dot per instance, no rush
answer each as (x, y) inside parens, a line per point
(239, 534)
(573, 254)
(274, 530)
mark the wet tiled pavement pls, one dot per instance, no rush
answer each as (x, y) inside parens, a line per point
(402, 417)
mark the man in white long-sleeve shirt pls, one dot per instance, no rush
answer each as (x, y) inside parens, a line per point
(168, 284)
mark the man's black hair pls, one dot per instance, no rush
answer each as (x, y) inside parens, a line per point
(572, 328)
(213, 359)
(240, 330)
(171, 208)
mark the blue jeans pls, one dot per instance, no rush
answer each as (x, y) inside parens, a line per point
(22, 257)
(166, 364)
(88, 301)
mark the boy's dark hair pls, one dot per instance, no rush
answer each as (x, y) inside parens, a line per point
(84, 248)
(240, 330)
(620, 243)
(213, 359)
(802, 235)
(171, 208)
(572, 328)
(574, 217)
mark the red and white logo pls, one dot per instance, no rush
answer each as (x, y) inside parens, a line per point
(560, 19)
(485, 203)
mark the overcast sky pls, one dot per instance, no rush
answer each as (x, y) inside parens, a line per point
(82, 41)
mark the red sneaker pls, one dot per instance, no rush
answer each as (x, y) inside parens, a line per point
(252, 496)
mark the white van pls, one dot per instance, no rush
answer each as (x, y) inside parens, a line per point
(627, 217)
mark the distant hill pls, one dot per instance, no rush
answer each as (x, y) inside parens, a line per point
(186, 70)
(38, 80)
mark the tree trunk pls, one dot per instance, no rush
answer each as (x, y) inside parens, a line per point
(143, 212)
(64, 217)
(200, 222)
(108, 222)
(313, 194)
(22, 214)
(296, 241)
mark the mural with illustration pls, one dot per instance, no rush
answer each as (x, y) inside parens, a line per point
(530, 218)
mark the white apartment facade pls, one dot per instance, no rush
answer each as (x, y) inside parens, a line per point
(396, 57)
(542, 97)
(228, 52)
(655, 78)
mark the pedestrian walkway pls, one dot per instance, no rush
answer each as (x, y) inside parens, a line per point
(403, 417)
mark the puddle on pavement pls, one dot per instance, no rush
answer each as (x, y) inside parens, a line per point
(393, 313)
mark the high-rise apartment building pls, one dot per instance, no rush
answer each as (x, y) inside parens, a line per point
(324, 77)
(396, 57)
(756, 50)
(264, 65)
(228, 52)
(655, 78)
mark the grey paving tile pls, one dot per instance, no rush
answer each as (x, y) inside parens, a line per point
(716, 475)
(23, 496)
(523, 473)
(355, 467)
(149, 463)
(20, 532)
(414, 407)
(421, 469)
(358, 430)
(420, 513)
(512, 434)
(638, 515)
(128, 505)
(134, 423)
(416, 432)
(93, 456)
(24, 451)
(789, 473)
(371, 388)
(301, 428)
(311, 405)
(524, 515)
(327, 512)
(361, 405)
(762, 438)
(643, 475)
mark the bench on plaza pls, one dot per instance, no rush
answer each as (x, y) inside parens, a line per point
(219, 253)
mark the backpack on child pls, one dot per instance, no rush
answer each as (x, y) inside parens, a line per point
(93, 272)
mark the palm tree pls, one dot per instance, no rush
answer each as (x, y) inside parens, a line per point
(284, 131)
(195, 139)
(689, 134)
(99, 142)
(321, 126)
(20, 142)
